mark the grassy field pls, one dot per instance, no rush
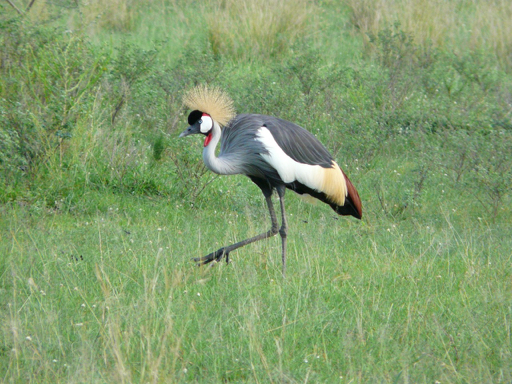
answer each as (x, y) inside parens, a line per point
(113, 296)
(102, 206)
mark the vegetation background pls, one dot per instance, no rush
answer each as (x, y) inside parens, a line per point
(102, 206)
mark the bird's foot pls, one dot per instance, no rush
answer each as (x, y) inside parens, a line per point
(214, 256)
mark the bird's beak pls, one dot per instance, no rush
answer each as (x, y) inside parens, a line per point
(193, 129)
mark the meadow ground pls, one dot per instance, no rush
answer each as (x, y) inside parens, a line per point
(102, 207)
(113, 296)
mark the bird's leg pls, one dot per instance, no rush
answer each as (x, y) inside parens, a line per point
(224, 251)
(283, 231)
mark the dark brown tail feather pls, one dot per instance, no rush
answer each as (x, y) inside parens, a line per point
(352, 204)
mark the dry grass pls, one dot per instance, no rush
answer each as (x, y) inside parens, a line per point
(477, 25)
(257, 28)
(491, 28)
(118, 15)
(426, 20)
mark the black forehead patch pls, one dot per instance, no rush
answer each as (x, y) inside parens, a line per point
(194, 116)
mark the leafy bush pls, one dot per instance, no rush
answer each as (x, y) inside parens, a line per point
(130, 67)
(48, 81)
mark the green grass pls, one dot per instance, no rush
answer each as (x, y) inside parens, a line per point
(113, 296)
(102, 207)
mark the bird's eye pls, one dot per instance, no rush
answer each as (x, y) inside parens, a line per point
(200, 121)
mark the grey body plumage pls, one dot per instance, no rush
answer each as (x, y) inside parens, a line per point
(295, 141)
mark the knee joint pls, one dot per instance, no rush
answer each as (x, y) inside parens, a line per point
(273, 231)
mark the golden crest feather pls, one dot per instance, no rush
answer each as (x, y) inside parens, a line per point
(211, 100)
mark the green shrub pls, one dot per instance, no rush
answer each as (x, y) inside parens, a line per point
(48, 80)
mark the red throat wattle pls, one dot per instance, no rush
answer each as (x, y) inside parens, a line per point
(208, 139)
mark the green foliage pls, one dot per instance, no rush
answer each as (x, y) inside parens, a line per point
(48, 82)
(129, 69)
(158, 147)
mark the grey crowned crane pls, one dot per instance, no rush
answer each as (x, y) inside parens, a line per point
(275, 154)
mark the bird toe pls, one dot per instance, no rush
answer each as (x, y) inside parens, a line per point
(214, 256)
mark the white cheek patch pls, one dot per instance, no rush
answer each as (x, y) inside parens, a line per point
(207, 124)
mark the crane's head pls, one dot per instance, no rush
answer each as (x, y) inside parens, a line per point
(209, 105)
(200, 122)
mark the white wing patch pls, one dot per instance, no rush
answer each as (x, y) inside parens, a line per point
(327, 180)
